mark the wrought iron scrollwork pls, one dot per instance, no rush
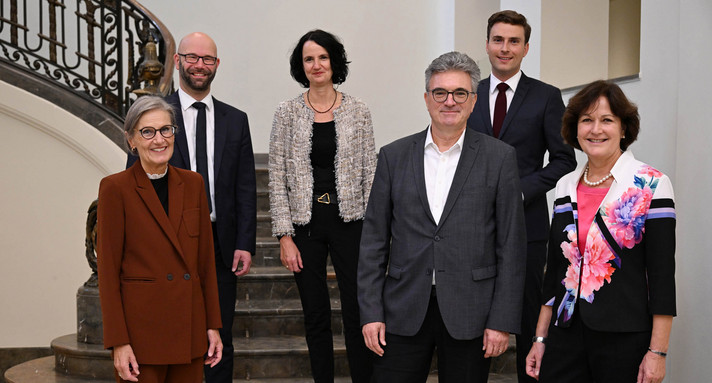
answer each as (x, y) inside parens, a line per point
(93, 47)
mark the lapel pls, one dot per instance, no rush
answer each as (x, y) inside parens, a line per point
(470, 148)
(484, 110)
(517, 102)
(573, 195)
(181, 156)
(145, 190)
(418, 160)
(220, 138)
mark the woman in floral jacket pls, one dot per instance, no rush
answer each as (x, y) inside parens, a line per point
(610, 280)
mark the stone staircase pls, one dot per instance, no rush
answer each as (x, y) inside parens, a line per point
(268, 327)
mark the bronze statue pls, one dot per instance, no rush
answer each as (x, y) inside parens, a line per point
(150, 70)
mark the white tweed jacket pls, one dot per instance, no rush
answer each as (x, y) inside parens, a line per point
(291, 179)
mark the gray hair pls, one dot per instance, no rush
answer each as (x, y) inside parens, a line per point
(453, 61)
(139, 107)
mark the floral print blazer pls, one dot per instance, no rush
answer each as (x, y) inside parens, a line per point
(627, 271)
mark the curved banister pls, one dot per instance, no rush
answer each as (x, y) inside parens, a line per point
(166, 83)
(92, 48)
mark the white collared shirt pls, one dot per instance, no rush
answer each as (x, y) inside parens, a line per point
(439, 172)
(493, 91)
(190, 114)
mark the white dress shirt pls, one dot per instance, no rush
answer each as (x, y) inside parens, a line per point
(439, 172)
(190, 114)
(493, 91)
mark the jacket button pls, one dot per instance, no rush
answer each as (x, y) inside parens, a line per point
(437, 238)
(169, 277)
(186, 276)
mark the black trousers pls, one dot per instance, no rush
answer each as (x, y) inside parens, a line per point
(536, 260)
(407, 359)
(328, 235)
(579, 354)
(227, 294)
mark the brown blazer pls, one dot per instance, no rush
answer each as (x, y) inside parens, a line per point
(157, 279)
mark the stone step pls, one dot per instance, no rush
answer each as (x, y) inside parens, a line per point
(267, 253)
(266, 357)
(337, 379)
(281, 357)
(276, 283)
(262, 201)
(42, 370)
(81, 359)
(262, 171)
(261, 318)
(433, 378)
(264, 224)
(288, 357)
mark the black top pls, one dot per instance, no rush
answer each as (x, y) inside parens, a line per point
(322, 157)
(161, 187)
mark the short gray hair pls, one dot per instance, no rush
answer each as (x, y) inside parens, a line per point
(139, 107)
(453, 61)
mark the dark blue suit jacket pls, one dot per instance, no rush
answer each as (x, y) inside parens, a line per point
(234, 173)
(533, 127)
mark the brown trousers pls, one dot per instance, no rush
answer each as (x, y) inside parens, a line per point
(169, 373)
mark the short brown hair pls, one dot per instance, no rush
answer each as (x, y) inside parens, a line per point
(510, 17)
(620, 106)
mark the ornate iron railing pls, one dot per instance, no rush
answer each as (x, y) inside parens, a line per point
(92, 47)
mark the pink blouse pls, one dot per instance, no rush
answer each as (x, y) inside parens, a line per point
(589, 200)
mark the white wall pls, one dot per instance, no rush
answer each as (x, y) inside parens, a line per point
(471, 29)
(692, 334)
(531, 9)
(389, 43)
(51, 166)
(574, 42)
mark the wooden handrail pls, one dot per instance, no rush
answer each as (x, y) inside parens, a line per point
(90, 47)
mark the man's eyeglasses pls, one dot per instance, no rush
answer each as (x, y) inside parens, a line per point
(459, 95)
(193, 59)
(166, 131)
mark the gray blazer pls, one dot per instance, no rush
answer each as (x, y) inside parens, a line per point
(478, 249)
(291, 180)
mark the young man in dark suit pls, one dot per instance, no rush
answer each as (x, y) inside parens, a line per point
(213, 139)
(526, 114)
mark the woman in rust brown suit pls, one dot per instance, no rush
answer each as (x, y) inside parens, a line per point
(157, 280)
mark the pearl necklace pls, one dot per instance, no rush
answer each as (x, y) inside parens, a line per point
(594, 184)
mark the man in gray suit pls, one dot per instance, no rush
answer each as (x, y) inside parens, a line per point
(441, 263)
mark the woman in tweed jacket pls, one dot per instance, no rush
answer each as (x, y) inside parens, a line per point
(321, 164)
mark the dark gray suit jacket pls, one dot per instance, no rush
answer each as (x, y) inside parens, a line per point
(477, 249)
(234, 173)
(533, 127)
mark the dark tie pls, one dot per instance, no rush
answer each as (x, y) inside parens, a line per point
(500, 109)
(201, 149)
